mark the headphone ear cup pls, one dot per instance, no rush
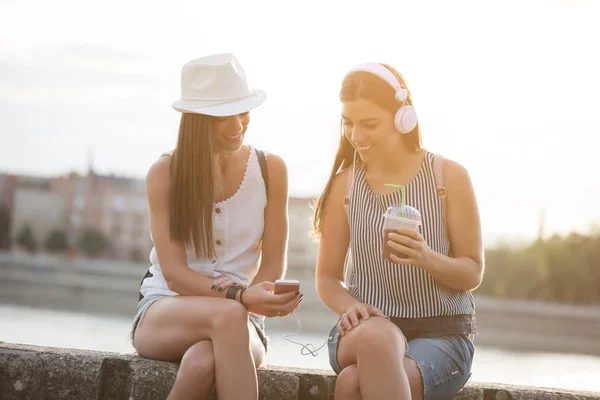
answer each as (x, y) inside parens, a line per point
(405, 119)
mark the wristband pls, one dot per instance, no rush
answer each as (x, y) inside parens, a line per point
(232, 291)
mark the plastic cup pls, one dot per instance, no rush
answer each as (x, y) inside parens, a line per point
(395, 218)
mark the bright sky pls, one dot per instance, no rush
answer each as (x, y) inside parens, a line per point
(509, 90)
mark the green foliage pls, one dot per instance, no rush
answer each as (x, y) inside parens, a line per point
(56, 241)
(93, 243)
(558, 269)
(26, 240)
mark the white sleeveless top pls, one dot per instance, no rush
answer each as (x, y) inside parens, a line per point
(238, 224)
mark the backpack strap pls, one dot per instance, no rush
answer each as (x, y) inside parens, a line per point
(438, 174)
(347, 195)
(262, 161)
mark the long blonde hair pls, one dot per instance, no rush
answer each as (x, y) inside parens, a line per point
(370, 87)
(192, 189)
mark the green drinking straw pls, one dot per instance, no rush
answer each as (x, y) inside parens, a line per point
(402, 191)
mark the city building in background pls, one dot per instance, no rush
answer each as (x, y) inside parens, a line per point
(107, 216)
(93, 215)
(37, 212)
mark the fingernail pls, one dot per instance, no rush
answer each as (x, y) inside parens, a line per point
(212, 286)
(219, 288)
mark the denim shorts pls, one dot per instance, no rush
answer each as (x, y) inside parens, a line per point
(444, 362)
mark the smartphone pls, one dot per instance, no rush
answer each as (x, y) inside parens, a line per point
(286, 286)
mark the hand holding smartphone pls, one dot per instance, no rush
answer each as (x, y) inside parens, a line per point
(286, 286)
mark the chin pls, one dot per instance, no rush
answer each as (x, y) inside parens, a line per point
(366, 155)
(231, 145)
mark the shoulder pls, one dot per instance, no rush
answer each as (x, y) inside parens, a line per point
(275, 162)
(159, 175)
(339, 184)
(341, 178)
(277, 168)
(454, 171)
(277, 175)
(456, 176)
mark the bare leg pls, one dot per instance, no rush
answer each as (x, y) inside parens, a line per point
(376, 346)
(414, 377)
(174, 324)
(196, 374)
(346, 385)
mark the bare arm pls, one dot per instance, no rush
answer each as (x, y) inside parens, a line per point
(171, 255)
(335, 239)
(275, 236)
(464, 270)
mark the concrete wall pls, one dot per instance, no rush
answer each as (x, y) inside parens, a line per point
(31, 372)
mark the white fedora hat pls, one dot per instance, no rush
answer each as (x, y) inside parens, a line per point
(216, 85)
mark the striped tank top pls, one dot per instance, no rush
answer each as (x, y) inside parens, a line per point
(402, 291)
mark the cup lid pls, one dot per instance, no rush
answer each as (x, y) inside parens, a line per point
(406, 212)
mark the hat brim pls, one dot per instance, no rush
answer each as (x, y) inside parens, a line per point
(221, 109)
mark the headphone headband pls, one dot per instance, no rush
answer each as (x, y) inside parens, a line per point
(385, 74)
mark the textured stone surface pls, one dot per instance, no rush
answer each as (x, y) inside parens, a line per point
(31, 372)
(34, 373)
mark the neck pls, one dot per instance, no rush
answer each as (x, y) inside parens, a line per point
(223, 160)
(393, 159)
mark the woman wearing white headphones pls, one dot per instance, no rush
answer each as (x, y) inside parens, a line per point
(407, 321)
(218, 213)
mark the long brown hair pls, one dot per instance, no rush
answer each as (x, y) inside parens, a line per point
(370, 87)
(192, 189)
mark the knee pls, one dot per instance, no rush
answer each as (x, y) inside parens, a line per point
(230, 316)
(346, 385)
(199, 361)
(379, 334)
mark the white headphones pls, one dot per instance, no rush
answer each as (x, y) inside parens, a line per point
(405, 119)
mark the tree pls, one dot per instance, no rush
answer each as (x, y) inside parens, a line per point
(26, 240)
(93, 242)
(4, 228)
(136, 255)
(57, 241)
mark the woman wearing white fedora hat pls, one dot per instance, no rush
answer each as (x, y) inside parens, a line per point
(218, 213)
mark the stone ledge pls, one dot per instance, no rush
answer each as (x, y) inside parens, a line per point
(32, 372)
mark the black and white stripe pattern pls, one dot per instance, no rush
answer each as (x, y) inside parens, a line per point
(401, 291)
